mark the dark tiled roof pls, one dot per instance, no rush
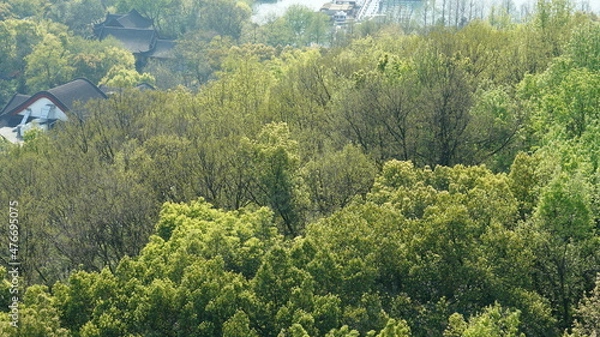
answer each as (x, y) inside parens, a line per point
(137, 35)
(134, 40)
(64, 96)
(145, 86)
(112, 20)
(78, 90)
(164, 49)
(134, 19)
(14, 102)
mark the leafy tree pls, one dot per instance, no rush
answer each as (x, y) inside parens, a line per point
(39, 56)
(565, 210)
(427, 101)
(565, 112)
(305, 26)
(395, 329)
(297, 330)
(446, 97)
(582, 47)
(28, 8)
(96, 60)
(289, 141)
(276, 183)
(343, 332)
(299, 26)
(553, 20)
(38, 316)
(297, 19)
(378, 114)
(524, 183)
(565, 217)
(493, 321)
(198, 289)
(302, 96)
(48, 64)
(238, 326)
(336, 178)
(202, 54)
(494, 129)
(20, 37)
(5, 11)
(224, 17)
(122, 78)
(588, 313)
(319, 31)
(78, 15)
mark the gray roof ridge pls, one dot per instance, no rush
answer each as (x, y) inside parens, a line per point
(77, 79)
(56, 94)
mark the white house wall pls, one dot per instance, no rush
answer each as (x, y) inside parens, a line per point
(37, 106)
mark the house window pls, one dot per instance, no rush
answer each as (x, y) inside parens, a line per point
(48, 112)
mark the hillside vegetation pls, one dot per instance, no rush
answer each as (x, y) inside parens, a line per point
(441, 183)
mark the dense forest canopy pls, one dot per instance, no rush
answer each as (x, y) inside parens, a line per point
(385, 180)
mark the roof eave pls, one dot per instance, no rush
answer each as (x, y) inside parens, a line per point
(7, 112)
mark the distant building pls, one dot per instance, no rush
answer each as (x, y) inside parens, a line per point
(44, 108)
(340, 18)
(137, 34)
(341, 12)
(332, 8)
(344, 2)
(133, 19)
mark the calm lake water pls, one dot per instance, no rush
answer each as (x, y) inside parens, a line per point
(264, 11)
